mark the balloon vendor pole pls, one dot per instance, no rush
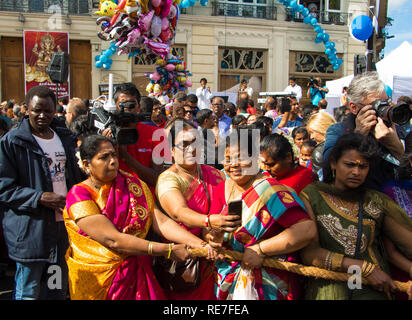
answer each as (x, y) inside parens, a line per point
(109, 106)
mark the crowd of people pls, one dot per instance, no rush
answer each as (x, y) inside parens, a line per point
(282, 181)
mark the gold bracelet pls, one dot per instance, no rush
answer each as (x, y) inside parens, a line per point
(261, 251)
(150, 249)
(337, 261)
(328, 260)
(170, 250)
(367, 269)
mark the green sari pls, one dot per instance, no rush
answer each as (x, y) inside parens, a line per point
(336, 216)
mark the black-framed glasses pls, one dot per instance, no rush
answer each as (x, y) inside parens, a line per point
(189, 111)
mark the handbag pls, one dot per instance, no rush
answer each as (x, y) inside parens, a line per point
(179, 276)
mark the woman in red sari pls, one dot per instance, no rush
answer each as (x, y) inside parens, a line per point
(108, 217)
(185, 194)
(277, 159)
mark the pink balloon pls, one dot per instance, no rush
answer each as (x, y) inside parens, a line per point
(170, 67)
(155, 76)
(165, 23)
(145, 21)
(188, 83)
(166, 35)
(156, 3)
(166, 8)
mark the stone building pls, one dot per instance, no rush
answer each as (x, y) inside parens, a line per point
(225, 41)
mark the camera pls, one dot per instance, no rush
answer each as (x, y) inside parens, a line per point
(122, 123)
(313, 82)
(400, 114)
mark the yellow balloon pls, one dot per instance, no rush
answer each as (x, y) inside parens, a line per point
(107, 8)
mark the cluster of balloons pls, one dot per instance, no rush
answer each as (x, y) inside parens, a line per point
(321, 34)
(170, 77)
(138, 27)
(190, 3)
(104, 59)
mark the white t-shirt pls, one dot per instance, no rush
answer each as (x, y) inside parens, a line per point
(297, 90)
(54, 151)
(203, 97)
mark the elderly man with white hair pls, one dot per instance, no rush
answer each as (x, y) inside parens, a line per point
(363, 91)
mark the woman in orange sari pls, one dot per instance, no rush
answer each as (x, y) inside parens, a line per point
(108, 217)
(184, 192)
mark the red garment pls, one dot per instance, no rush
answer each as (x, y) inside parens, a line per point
(298, 178)
(251, 110)
(162, 124)
(142, 150)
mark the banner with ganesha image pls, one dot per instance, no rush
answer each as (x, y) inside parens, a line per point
(39, 47)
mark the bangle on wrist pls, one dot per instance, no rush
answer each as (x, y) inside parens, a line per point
(170, 250)
(209, 222)
(150, 248)
(261, 251)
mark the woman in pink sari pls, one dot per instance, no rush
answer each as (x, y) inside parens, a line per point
(184, 193)
(108, 217)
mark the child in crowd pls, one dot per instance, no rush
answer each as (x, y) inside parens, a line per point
(305, 154)
(300, 135)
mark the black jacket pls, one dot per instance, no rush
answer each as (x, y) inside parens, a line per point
(30, 229)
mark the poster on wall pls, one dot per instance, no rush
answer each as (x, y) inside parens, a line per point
(39, 47)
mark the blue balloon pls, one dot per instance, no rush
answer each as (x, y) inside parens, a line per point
(97, 58)
(318, 29)
(318, 40)
(305, 12)
(362, 27)
(104, 58)
(340, 61)
(388, 90)
(307, 19)
(294, 5)
(301, 7)
(98, 64)
(328, 51)
(107, 66)
(336, 67)
(325, 37)
(314, 21)
(203, 2)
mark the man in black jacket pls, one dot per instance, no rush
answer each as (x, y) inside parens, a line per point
(37, 168)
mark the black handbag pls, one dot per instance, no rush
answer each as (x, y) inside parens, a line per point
(179, 276)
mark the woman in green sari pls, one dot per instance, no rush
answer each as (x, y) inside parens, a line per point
(335, 205)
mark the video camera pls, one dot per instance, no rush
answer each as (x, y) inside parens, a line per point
(122, 123)
(313, 82)
(400, 114)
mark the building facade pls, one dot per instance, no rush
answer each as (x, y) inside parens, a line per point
(225, 41)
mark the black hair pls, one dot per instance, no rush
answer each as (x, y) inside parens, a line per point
(237, 135)
(230, 109)
(284, 105)
(243, 104)
(243, 81)
(267, 121)
(176, 127)
(9, 105)
(41, 92)
(64, 100)
(292, 78)
(203, 79)
(202, 115)
(307, 111)
(192, 98)
(86, 103)
(263, 129)
(298, 130)
(309, 144)
(146, 104)
(276, 146)
(365, 145)
(3, 125)
(81, 127)
(238, 119)
(128, 88)
(91, 144)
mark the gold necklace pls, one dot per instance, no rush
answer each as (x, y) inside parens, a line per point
(188, 173)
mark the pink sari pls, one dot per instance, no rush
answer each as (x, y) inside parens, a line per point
(96, 272)
(196, 200)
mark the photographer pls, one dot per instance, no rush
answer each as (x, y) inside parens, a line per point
(363, 91)
(316, 91)
(136, 158)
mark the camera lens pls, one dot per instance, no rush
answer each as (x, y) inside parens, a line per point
(400, 114)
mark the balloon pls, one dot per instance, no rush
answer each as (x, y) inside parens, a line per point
(172, 13)
(318, 29)
(325, 37)
(165, 23)
(336, 67)
(97, 58)
(166, 8)
(307, 19)
(313, 21)
(318, 40)
(300, 8)
(362, 27)
(305, 12)
(156, 3)
(156, 28)
(145, 21)
(340, 61)
(170, 67)
(328, 51)
(155, 76)
(203, 2)
(166, 35)
(98, 64)
(294, 5)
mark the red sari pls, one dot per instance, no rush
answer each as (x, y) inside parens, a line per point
(297, 179)
(196, 200)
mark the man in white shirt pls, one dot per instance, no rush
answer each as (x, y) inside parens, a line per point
(203, 94)
(293, 87)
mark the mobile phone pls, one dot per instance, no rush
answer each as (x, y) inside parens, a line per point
(235, 208)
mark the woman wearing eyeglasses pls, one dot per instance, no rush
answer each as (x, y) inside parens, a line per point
(184, 192)
(274, 223)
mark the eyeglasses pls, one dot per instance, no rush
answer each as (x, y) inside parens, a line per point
(184, 145)
(188, 111)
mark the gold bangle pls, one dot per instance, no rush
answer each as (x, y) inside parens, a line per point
(261, 251)
(328, 260)
(170, 250)
(150, 249)
(337, 261)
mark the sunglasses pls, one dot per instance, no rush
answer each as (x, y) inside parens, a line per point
(188, 111)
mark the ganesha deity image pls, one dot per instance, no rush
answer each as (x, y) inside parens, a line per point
(42, 53)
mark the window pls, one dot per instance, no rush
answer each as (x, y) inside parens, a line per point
(36, 5)
(78, 7)
(244, 8)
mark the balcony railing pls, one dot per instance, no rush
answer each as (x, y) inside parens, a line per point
(73, 7)
(230, 9)
(324, 17)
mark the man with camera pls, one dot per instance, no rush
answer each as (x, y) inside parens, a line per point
(136, 158)
(371, 114)
(316, 91)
